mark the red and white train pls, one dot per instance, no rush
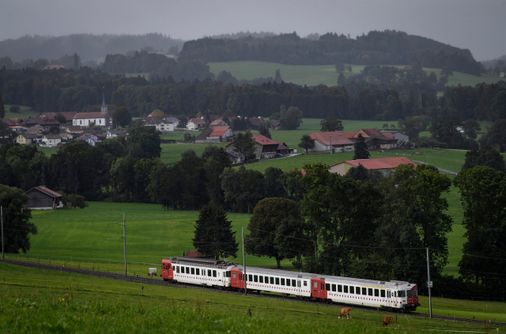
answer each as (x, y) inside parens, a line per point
(345, 290)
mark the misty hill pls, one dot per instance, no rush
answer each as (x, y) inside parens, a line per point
(88, 47)
(375, 48)
(493, 63)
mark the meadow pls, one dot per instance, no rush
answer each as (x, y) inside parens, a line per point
(312, 75)
(56, 302)
(24, 112)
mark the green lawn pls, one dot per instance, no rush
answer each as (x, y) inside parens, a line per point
(42, 301)
(93, 236)
(312, 75)
(171, 153)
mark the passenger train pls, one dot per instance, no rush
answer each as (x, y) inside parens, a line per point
(344, 290)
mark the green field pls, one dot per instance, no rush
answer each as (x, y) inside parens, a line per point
(42, 301)
(171, 153)
(312, 75)
(24, 112)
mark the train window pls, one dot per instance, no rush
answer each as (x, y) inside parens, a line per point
(401, 293)
(198, 272)
(334, 287)
(389, 294)
(214, 273)
(288, 282)
(177, 269)
(357, 290)
(187, 270)
(327, 286)
(266, 280)
(234, 275)
(277, 280)
(352, 289)
(315, 285)
(209, 272)
(298, 284)
(369, 291)
(261, 279)
(272, 280)
(382, 293)
(376, 292)
(345, 289)
(255, 278)
(293, 283)
(193, 271)
(339, 288)
(364, 291)
(282, 281)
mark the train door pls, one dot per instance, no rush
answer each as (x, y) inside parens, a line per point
(167, 270)
(318, 290)
(236, 279)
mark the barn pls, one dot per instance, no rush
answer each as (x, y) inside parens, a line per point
(43, 198)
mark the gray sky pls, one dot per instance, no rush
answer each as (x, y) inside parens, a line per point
(478, 25)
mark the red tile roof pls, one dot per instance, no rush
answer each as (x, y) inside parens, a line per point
(47, 191)
(218, 131)
(263, 140)
(332, 138)
(381, 163)
(93, 114)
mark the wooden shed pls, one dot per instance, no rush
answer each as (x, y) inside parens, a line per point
(43, 198)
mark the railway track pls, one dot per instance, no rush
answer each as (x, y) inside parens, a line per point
(153, 281)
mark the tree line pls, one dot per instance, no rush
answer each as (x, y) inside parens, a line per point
(374, 48)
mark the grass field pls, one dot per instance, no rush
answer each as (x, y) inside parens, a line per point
(24, 112)
(40, 301)
(312, 75)
(171, 153)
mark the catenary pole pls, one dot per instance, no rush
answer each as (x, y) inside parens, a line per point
(2, 230)
(429, 283)
(244, 261)
(125, 245)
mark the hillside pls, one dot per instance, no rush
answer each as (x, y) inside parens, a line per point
(88, 47)
(375, 48)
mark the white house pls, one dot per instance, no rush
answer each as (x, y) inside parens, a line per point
(161, 125)
(85, 119)
(50, 140)
(195, 124)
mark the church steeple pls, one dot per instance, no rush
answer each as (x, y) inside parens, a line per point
(103, 108)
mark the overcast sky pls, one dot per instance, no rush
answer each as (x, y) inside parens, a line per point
(478, 25)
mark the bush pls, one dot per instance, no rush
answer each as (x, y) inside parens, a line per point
(75, 201)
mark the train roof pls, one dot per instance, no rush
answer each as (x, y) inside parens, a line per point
(196, 261)
(328, 278)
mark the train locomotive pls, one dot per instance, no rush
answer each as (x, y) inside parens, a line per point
(398, 295)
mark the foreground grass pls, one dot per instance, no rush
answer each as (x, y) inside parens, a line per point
(48, 301)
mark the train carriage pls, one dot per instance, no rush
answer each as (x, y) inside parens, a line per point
(344, 290)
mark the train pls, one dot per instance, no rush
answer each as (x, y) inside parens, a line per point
(393, 295)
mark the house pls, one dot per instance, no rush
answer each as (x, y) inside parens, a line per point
(85, 119)
(50, 140)
(383, 166)
(266, 148)
(89, 138)
(114, 133)
(195, 123)
(160, 124)
(331, 141)
(28, 138)
(401, 138)
(215, 134)
(68, 116)
(343, 141)
(43, 198)
(218, 122)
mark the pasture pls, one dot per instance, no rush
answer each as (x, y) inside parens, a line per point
(50, 301)
(312, 75)
(24, 112)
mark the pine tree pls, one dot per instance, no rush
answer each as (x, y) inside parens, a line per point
(361, 151)
(213, 233)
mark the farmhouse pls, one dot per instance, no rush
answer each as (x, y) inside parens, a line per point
(383, 166)
(215, 134)
(28, 138)
(43, 198)
(266, 148)
(343, 141)
(85, 119)
(160, 124)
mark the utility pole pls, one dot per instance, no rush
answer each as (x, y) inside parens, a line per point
(2, 230)
(429, 282)
(244, 261)
(124, 245)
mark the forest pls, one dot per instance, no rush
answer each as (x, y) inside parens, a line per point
(375, 48)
